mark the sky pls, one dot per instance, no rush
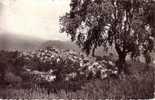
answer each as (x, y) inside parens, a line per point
(35, 18)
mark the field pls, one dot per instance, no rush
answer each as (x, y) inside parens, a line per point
(52, 73)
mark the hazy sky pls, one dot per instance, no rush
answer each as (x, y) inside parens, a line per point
(36, 18)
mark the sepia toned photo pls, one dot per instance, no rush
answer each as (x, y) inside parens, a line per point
(77, 49)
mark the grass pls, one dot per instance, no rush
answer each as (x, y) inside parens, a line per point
(14, 93)
(138, 84)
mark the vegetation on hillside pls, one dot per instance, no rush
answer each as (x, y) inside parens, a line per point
(53, 73)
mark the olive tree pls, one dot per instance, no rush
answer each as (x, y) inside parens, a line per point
(127, 25)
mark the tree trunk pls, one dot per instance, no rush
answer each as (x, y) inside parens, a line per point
(121, 63)
(93, 52)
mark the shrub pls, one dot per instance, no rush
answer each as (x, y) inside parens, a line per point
(12, 79)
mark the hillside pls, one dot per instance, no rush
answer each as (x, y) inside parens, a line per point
(67, 45)
(69, 74)
(18, 42)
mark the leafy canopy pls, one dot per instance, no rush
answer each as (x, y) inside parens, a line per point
(129, 25)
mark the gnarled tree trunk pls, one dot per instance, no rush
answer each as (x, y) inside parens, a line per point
(121, 62)
(93, 50)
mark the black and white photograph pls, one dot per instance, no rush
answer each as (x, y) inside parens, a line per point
(77, 49)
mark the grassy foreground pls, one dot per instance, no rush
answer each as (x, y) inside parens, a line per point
(138, 84)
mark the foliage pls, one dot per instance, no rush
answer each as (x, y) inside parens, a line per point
(38, 85)
(11, 78)
(10, 62)
(137, 85)
(50, 67)
(128, 25)
(67, 65)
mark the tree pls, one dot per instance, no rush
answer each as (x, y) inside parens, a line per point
(128, 25)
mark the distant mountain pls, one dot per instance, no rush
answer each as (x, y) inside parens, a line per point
(18, 42)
